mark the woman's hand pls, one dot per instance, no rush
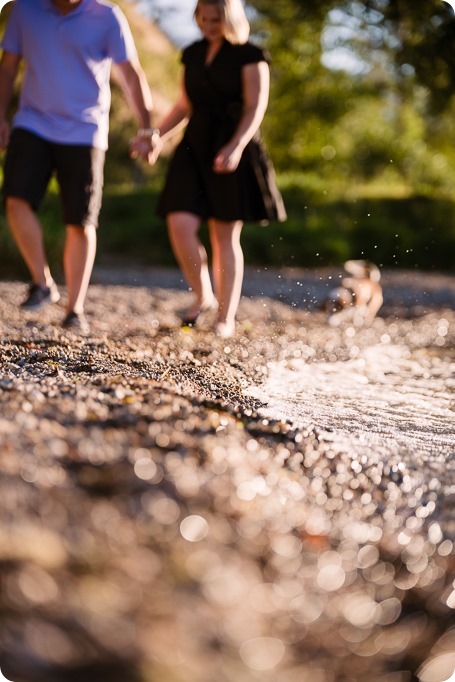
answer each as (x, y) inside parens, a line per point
(227, 159)
(255, 86)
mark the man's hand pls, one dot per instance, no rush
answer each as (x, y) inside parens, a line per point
(146, 147)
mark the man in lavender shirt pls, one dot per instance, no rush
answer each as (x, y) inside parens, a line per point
(61, 127)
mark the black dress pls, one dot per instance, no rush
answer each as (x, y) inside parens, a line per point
(215, 92)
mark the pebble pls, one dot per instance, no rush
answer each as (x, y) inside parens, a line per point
(157, 526)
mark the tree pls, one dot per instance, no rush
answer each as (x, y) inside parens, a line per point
(305, 97)
(360, 120)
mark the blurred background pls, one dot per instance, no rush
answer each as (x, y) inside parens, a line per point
(360, 127)
(153, 530)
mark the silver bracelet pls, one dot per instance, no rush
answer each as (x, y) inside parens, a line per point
(148, 132)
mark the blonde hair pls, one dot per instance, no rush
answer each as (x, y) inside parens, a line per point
(236, 27)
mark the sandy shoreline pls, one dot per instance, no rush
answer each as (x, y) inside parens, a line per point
(158, 527)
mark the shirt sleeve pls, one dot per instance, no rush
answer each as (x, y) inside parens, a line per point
(251, 54)
(12, 37)
(121, 47)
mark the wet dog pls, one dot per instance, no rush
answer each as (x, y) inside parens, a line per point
(359, 296)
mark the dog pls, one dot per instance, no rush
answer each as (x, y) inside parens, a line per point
(359, 297)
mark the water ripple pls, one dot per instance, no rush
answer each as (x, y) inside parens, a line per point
(390, 398)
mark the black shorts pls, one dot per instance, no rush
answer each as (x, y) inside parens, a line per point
(30, 162)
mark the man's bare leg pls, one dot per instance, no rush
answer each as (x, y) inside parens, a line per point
(26, 230)
(78, 259)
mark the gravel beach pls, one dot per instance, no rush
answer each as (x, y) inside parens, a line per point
(165, 518)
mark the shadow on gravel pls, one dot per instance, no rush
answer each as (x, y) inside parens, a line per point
(158, 526)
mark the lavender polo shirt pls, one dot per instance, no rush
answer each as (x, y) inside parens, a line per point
(65, 96)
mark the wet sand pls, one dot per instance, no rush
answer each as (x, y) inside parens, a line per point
(161, 524)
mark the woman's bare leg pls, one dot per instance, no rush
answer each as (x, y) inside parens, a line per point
(192, 258)
(227, 271)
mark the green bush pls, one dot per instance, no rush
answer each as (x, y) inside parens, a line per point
(322, 229)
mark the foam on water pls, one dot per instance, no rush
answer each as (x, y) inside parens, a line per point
(389, 398)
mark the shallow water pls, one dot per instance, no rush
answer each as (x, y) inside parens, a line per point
(389, 399)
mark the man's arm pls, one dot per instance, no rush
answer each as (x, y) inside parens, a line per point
(172, 123)
(9, 65)
(133, 82)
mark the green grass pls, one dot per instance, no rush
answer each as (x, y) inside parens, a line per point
(322, 229)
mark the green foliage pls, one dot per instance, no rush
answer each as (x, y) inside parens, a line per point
(426, 34)
(365, 159)
(321, 229)
(356, 124)
(324, 227)
(305, 99)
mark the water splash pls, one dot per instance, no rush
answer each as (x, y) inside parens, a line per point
(389, 399)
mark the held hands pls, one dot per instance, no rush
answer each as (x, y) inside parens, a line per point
(147, 145)
(227, 159)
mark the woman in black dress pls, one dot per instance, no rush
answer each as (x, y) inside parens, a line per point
(220, 171)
